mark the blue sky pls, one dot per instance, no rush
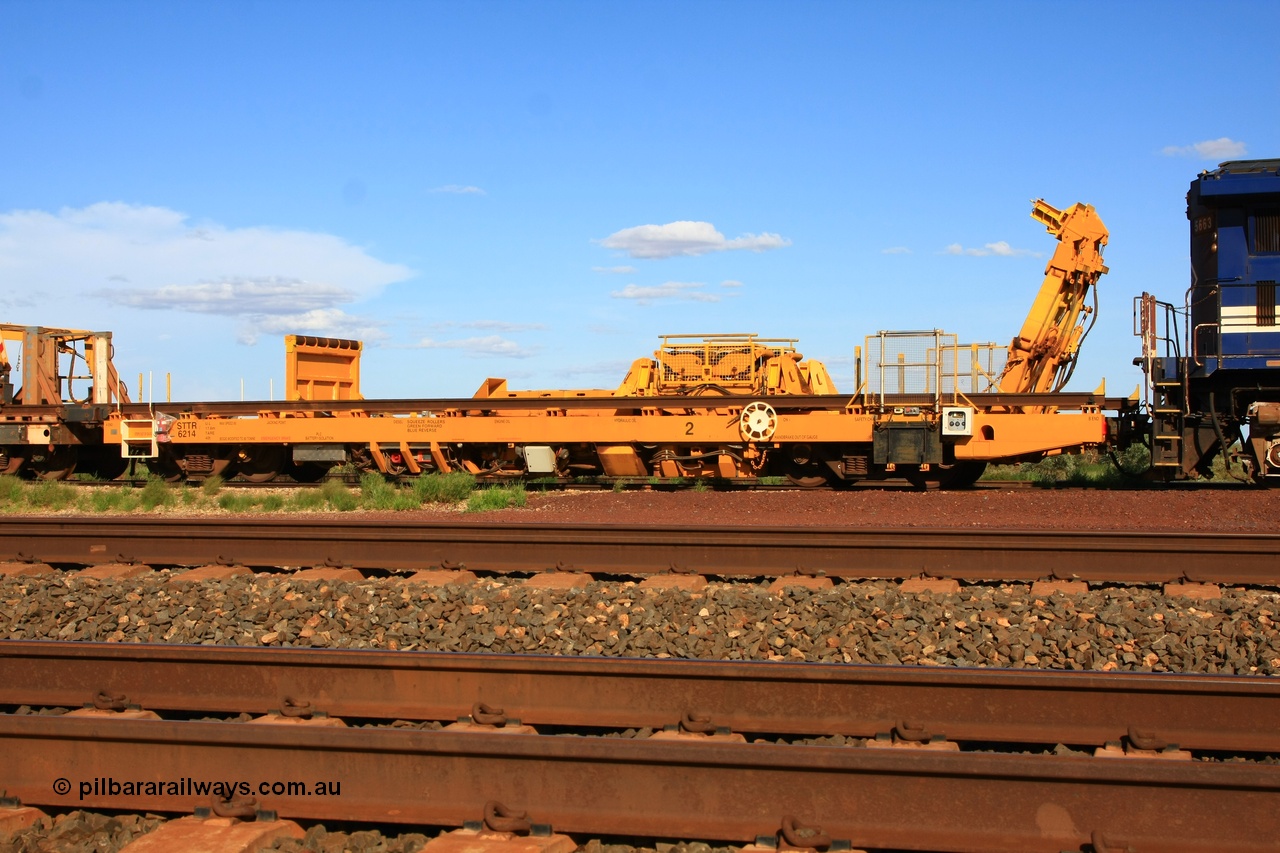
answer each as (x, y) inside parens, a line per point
(539, 190)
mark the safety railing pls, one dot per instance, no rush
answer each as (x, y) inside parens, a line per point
(1228, 319)
(929, 363)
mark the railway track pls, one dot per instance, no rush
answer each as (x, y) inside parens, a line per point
(732, 552)
(905, 758)
(602, 484)
(569, 484)
(816, 700)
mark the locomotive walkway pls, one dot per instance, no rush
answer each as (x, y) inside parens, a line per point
(953, 760)
(619, 549)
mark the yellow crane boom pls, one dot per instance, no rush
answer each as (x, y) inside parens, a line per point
(1043, 354)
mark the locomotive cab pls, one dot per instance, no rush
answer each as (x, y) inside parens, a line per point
(1234, 214)
(1221, 387)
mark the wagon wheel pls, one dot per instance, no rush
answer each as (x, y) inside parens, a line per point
(10, 464)
(309, 472)
(260, 463)
(112, 469)
(804, 467)
(960, 475)
(806, 477)
(55, 464)
(964, 474)
(102, 463)
(166, 467)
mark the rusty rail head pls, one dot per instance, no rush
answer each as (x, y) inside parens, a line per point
(1150, 711)
(983, 555)
(1006, 803)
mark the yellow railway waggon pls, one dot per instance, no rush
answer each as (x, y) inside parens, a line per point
(680, 414)
(926, 407)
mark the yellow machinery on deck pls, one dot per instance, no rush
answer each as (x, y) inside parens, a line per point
(701, 365)
(321, 368)
(51, 419)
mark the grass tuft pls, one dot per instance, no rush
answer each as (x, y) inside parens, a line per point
(405, 501)
(236, 502)
(338, 496)
(10, 490)
(270, 503)
(50, 494)
(376, 492)
(497, 497)
(123, 499)
(444, 488)
(307, 500)
(1083, 469)
(156, 493)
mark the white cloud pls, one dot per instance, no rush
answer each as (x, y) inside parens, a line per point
(232, 297)
(324, 322)
(614, 270)
(490, 345)
(731, 283)
(687, 239)
(617, 369)
(1000, 249)
(896, 250)
(264, 306)
(13, 302)
(458, 189)
(1210, 149)
(141, 257)
(492, 325)
(683, 290)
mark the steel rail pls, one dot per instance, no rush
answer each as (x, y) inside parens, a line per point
(1216, 713)
(780, 402)
(884, 798)
(975, 555)
(575, 484)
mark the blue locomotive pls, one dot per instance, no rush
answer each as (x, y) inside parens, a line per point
(1213, 364)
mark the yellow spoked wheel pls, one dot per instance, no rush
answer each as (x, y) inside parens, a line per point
(758, 421)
